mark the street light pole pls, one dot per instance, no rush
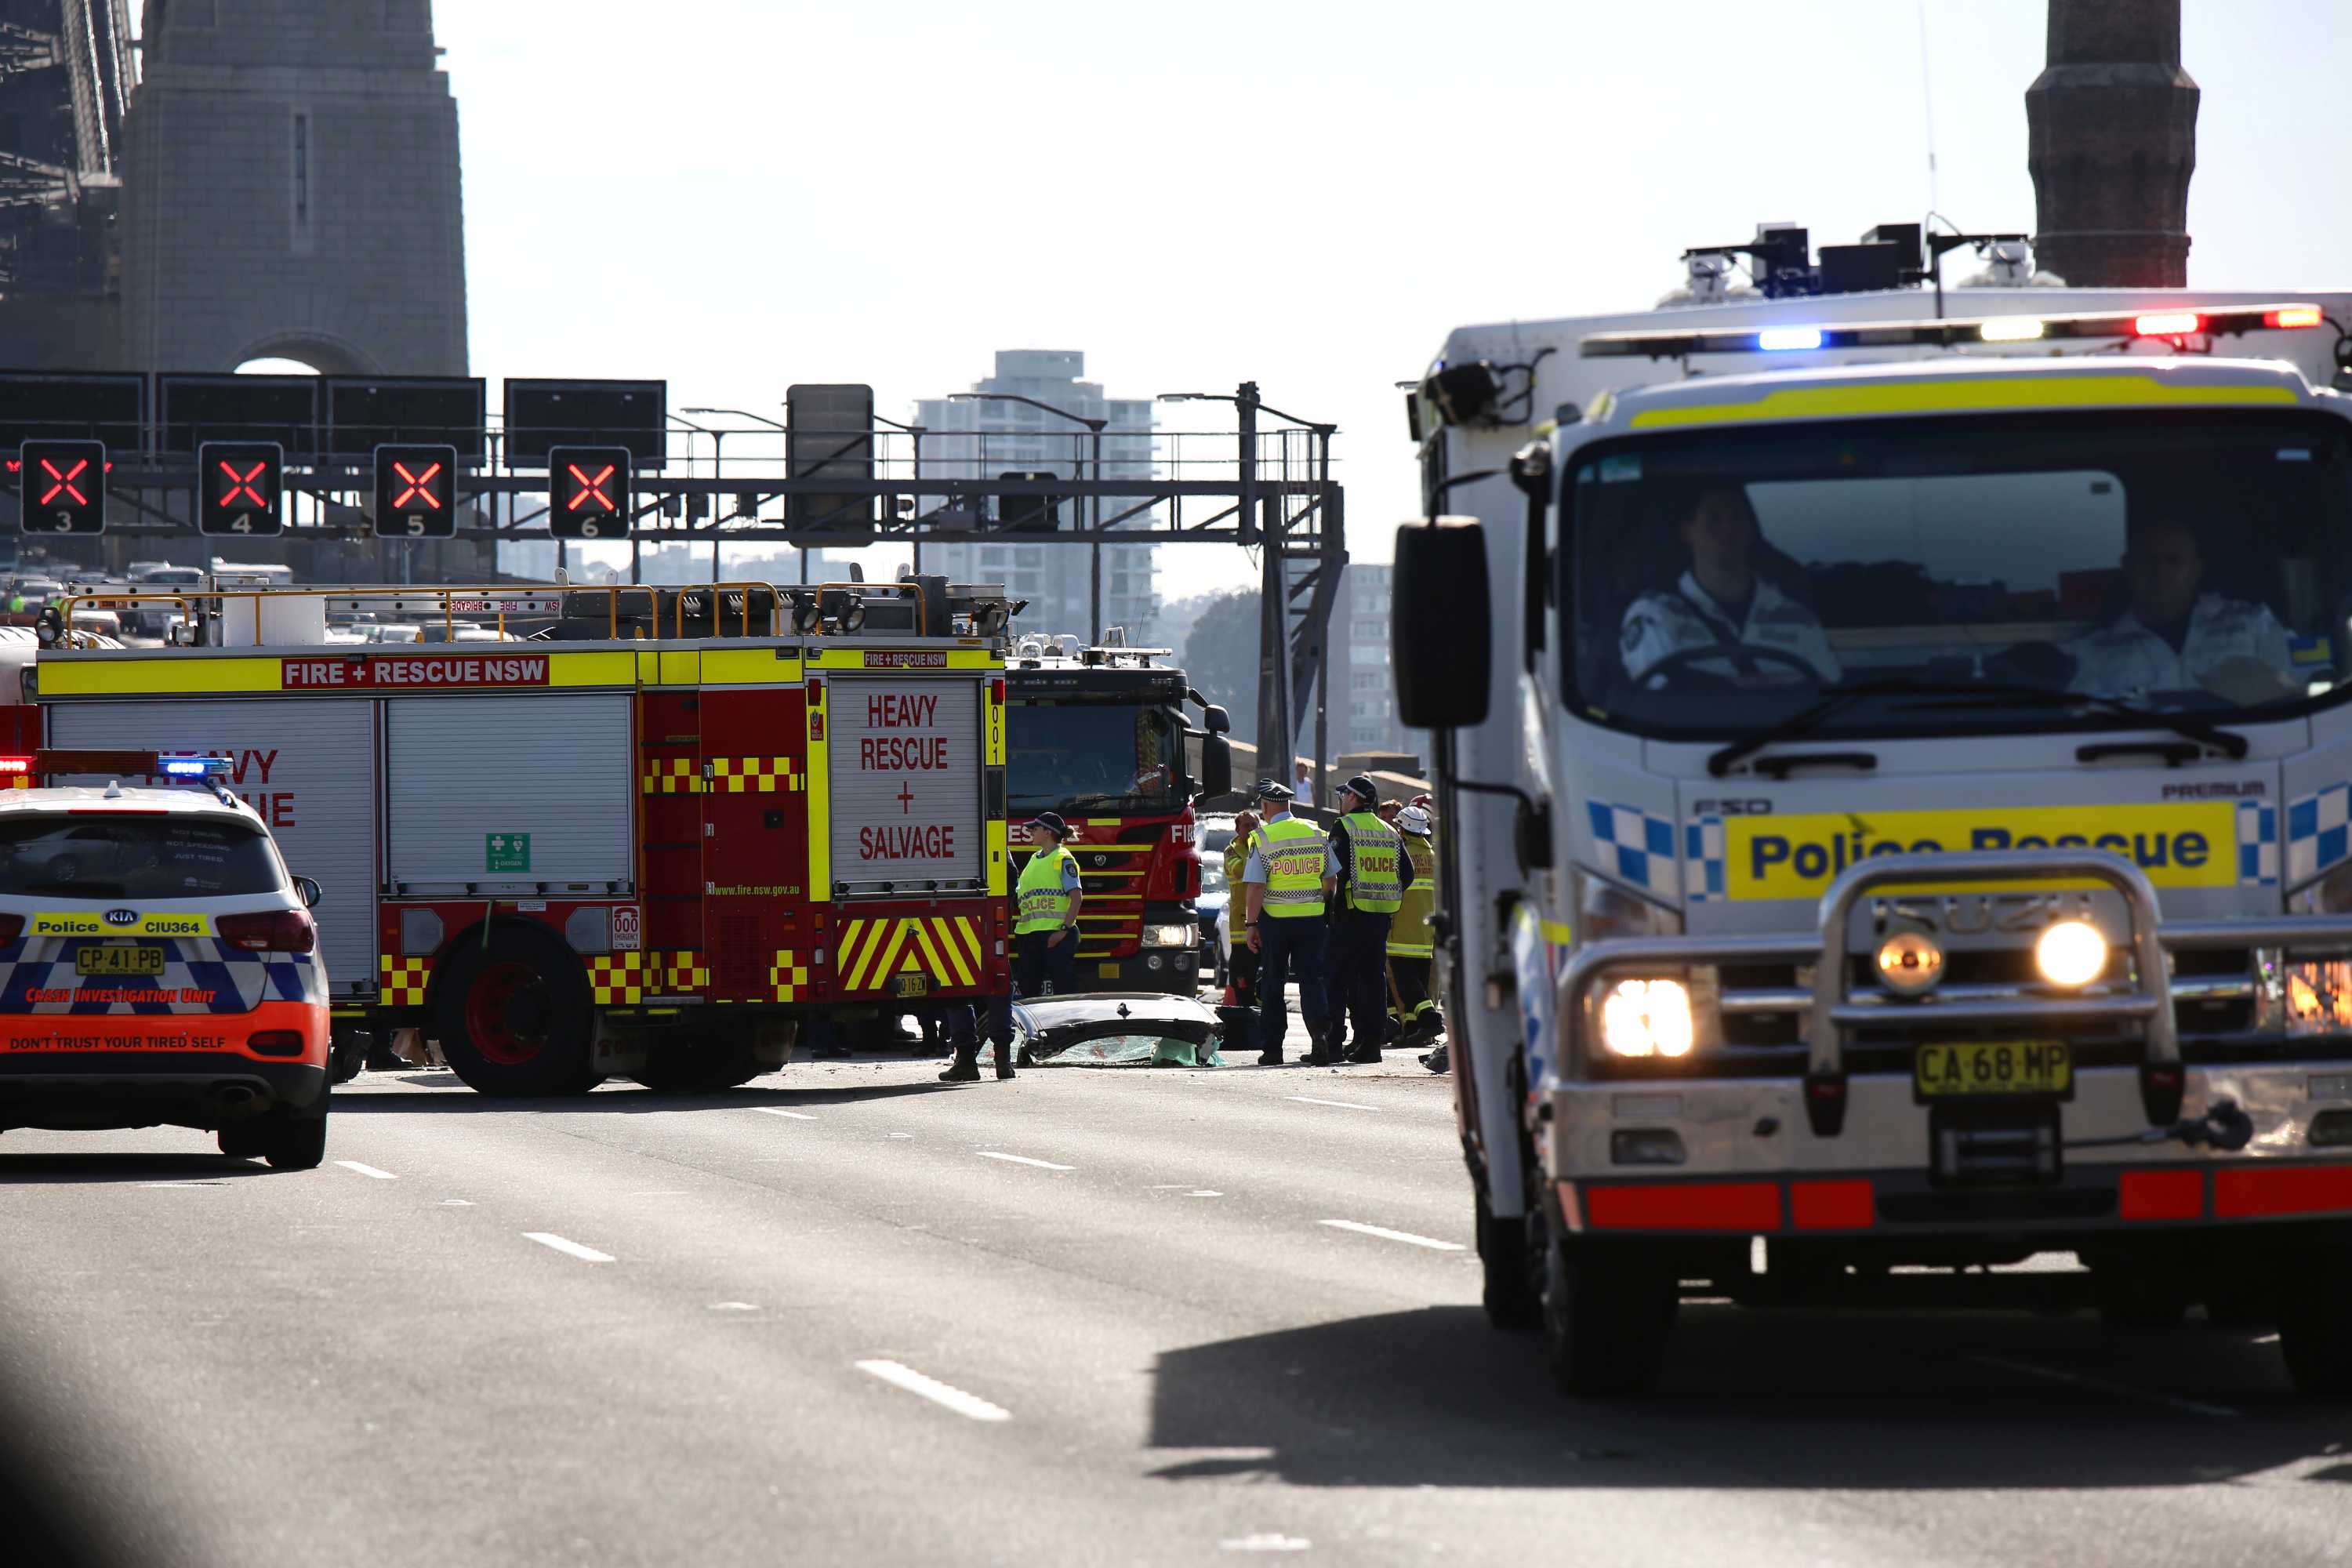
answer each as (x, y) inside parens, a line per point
(1094, 532)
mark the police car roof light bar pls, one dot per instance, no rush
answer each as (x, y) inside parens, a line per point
(1959, 332)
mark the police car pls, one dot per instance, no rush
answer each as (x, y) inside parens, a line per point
(158, 964)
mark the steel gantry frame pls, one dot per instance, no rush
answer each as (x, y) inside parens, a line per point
(1265, 487)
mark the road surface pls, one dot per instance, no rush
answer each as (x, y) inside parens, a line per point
(848, 1314)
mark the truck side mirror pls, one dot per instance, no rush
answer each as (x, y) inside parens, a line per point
(1441, 628)
(1216, 763)
(1216, 720)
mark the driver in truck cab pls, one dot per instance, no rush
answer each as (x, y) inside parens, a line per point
(2174, 635)
(1721, 602)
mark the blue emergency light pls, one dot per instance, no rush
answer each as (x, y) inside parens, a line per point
(195, 767)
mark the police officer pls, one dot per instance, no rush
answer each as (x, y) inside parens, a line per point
(1046, 901)
(1286, 879)
(1412, 943)
(1367, 857)
(1721, 603)
(2172, 633)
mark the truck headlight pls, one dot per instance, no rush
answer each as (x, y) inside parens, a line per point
(2071, 953)
(1170, 935)
(1646, 1018)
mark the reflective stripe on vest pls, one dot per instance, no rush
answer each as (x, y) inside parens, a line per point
(1293, 868)
(1409, 932)
(1375, 884)
(1044, 903)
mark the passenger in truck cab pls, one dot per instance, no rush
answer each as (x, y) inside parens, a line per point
(1721, 602)
(2174, 633)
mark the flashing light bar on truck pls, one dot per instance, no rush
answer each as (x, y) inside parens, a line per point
(2167, 325)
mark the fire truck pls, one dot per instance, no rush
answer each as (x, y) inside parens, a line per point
(649, 839)
(1099, 735)
(1894, 756)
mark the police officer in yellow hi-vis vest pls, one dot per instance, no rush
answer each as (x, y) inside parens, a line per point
(1046, 901)
(1289, 873)
(1370, 857)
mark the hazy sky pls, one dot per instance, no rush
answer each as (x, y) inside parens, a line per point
(736, 195)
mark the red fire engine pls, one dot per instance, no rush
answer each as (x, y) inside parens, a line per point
(1099, 735)
(649, 839)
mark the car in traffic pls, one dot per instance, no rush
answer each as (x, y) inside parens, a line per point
(158, 965)
(1216, 829)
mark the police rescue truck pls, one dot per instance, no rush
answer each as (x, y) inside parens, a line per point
(1896, 797)
(649, 839)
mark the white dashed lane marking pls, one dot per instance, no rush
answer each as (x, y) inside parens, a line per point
(570, 1249)
(1339, 1104)
(1025, 1160)
(780, 1110)
(354, 1167)
(970, 1405)
(2102, 1385)
(1385, 1234)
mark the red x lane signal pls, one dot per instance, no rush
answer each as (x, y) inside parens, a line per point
(588, 494)
(240, 488)
(415, 492)
(61, 486)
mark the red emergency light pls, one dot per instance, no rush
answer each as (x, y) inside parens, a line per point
(14, 767)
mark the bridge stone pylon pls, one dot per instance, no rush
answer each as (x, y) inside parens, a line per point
(292, 190)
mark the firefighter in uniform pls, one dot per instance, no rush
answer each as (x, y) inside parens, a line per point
(1411, 941)
(1047, 902)
(1286, 879)
(1368, 856)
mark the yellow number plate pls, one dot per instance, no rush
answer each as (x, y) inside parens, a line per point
(119, 961)
(910, 984)
(1994, 1066)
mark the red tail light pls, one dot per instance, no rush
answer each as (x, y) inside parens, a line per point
(272, 930)
(11, 928)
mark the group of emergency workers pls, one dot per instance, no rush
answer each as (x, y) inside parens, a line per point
(1346, 914)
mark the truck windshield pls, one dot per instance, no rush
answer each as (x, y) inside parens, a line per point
(1962, 574)
(1095, 754)
(110, 855)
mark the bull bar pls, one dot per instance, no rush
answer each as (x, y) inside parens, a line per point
(1831, 1009)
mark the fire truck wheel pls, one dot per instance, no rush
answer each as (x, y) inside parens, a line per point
(725, 1059)
(1511, 1295)
(515, 1015)
(346, 1055)
(2314, 1320)
(1607, 1313)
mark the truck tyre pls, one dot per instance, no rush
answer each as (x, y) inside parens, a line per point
(1606, 1318)
(724, 1058)
(346, 1054)
(515, 1015)
(1511, 1297)
(2314, 1320)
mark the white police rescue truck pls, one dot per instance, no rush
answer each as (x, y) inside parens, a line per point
(1897, 814)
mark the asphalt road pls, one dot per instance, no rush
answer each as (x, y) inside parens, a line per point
(851, 1315)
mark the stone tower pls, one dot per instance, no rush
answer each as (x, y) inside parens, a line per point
(2111, 130)
(290, 173)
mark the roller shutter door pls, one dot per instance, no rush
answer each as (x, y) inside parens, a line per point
(463, 771)
(904, 783)
(307, 766)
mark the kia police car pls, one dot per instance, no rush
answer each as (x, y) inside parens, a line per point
(158, 964)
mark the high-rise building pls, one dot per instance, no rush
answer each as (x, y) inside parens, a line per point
(1362, 716)
(987, 438)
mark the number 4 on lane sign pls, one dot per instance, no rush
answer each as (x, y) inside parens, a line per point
(506, 852)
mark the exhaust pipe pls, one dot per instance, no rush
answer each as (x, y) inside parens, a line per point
(235, 1096)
